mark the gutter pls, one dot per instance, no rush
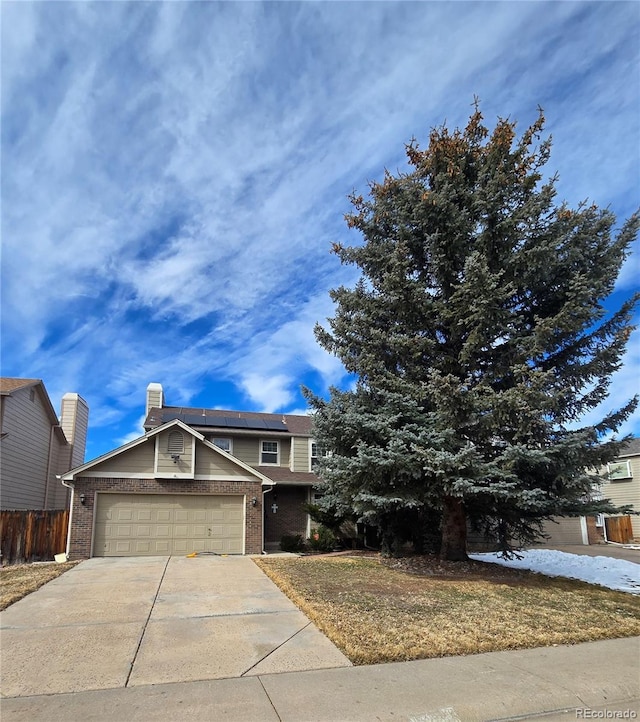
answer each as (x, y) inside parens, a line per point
(69, 485)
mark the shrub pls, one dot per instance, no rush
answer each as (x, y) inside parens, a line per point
(322, 539)
(292, 543)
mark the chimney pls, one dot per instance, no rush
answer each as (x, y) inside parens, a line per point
(155, 397)
(74, 420)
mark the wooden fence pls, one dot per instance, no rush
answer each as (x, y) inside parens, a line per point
(619, 529)
(27, 536)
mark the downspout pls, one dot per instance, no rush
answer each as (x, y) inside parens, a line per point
(69, 485)
(264, 493)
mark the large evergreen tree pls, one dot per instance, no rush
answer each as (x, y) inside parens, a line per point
(477, 335)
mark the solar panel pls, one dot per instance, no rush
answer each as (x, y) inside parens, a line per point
(216, 421)
(170, 416)
(236, 423)
(275, 425)
(230, 422)
(256, 424)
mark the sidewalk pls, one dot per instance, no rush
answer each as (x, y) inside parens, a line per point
(550, 683)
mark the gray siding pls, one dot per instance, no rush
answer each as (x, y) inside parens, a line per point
(285, 451)
(247, 449)
(25, 451)
(58, 495)
(300, 455)
(138, 460)
(211, 463)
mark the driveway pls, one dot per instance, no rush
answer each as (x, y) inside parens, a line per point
(628, 552)
(113, 623)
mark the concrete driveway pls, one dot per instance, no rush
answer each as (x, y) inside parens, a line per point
(113, 623)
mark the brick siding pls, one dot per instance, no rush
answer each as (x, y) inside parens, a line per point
(82, 515)
(290, 518)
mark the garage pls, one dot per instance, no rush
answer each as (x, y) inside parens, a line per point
(160, 524)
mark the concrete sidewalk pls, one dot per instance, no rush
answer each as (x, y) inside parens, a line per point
(586, 681)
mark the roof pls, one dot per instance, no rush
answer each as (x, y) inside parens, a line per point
(227, 421)
(7, 385)
(283, 475)
(631, 448)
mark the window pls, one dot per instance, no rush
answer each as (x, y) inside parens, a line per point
(316, 452)
(32, 394)
(619, 470)
(269, 452)
(175, 443)
(224, 444)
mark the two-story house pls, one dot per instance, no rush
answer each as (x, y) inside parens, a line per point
(619, 481)
(36, 446)
(198, 480)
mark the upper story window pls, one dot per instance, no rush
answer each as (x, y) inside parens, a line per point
(316, 452)
(224, 444)
(175, 442)
(32, 394)
(619, 470)
(269, 452)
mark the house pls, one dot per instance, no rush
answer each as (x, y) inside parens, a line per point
(36, 446)
(621, 484)
(197, 480)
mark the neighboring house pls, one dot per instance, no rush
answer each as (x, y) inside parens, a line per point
(623, 481)
(200, 480)
(35, 445)
(622, 486)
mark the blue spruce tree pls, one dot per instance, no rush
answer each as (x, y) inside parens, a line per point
(478, 336)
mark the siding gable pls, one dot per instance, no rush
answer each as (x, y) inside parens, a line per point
(166, 466)
(137, 462)
(212, 465)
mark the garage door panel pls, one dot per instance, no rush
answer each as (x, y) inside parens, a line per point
(152, 524)
(199, 531)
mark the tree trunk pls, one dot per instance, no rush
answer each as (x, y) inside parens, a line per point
(389, 542)
(454, 531)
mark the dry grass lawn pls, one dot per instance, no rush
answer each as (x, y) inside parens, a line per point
(392, 610)
(21, 579)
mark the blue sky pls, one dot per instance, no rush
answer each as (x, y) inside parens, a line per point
(174, 173)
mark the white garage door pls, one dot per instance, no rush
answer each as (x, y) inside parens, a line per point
(152, 524)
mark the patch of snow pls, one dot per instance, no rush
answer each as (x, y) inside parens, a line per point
(605, 571)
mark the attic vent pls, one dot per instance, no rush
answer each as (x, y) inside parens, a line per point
(175, 444)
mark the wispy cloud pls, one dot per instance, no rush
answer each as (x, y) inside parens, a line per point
(174, 173)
